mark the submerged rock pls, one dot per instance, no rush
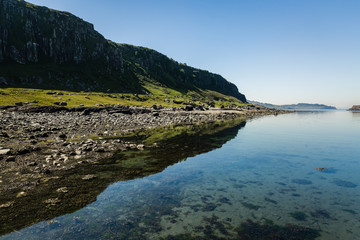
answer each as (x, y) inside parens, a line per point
(62, 190)
(302, 181)
(52, 201)
(6, 205)
(254, 231)
(342, 183)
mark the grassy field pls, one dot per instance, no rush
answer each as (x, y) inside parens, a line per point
(158, 95)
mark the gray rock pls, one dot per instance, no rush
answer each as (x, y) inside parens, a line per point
(89, 177)
(62, 190)
(4, 151)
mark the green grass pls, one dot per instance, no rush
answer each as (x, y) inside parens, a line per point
(158, 95)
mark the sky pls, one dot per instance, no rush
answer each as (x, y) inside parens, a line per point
(275, 51)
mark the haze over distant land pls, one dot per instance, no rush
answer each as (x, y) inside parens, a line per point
(274, 51)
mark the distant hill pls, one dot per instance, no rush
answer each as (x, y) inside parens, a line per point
(49, 49)
(295, 106)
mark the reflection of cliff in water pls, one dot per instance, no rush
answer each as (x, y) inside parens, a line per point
(68, 191)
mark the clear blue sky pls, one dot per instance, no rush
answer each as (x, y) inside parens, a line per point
(276, 51)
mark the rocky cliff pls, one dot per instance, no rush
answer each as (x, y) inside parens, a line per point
(45, 48)
(32, 34)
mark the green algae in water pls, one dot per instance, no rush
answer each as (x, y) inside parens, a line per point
(350, 211)
(346, 184)
(250, 230)
(302, 181)
(271, 201)
(257, 231)
(250, 206)
(300, 216)
(320, 213)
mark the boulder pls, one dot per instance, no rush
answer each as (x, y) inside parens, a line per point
(4, 151)
(89, 177)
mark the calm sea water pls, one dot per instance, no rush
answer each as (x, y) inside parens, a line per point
(300, 169)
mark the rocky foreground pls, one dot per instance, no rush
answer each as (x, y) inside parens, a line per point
(34, 141)
(38, 140)
(50, 157)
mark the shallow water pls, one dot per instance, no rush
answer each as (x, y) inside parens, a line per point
(299, 169)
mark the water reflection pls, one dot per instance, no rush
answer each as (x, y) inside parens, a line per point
(68, 191)
(356, 114)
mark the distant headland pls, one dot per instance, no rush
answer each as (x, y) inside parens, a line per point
(296, 106)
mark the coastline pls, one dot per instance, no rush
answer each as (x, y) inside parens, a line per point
(44, 139)
(43, 149)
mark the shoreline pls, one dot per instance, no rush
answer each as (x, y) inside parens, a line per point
(39, 140)
(61, 135)
(42, 147)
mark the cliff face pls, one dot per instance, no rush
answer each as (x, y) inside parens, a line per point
(44, 48)
(32, 34)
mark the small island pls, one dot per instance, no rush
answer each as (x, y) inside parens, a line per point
(354, 108)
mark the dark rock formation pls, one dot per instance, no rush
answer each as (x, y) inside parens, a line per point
(33, 34)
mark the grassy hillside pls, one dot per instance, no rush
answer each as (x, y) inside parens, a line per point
(162, 96)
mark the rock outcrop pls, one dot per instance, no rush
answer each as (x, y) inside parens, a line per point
(49, 49)
(355, 108)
